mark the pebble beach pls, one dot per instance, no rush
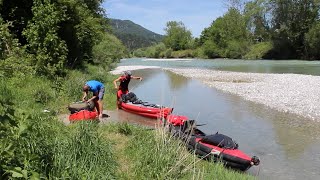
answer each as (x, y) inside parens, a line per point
(292, 93)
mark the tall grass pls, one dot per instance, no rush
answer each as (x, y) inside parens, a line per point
(83, 155)
(155, 154)
(34, 144)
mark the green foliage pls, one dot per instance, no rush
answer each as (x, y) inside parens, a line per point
(13, 59)
(43, 41)
(7, 126)
(83, 155)
(236, 49)
(189, 53)
(226, 37)
(157, 155)
(210, 49)
(177, 36)
(34, 145)
(109, 51)
(259, 50)
(255, 13)
(291, 20)
(134, 36)
(125, 129)
(312, 40)
(18, 13)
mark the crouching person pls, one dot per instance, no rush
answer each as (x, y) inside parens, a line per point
(97, 89)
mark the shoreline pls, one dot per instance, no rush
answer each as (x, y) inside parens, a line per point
(120, 69)
(293, 93)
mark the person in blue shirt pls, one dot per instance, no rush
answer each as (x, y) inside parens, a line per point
(97, 89)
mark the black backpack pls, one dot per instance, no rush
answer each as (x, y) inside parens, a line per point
(78, 106)
(220, 140)
(131, 97)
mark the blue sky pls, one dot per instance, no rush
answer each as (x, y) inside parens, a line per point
(154, 14)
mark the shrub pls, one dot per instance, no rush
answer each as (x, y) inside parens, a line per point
(259, 50)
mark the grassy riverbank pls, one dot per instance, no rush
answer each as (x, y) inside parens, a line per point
(35, 144)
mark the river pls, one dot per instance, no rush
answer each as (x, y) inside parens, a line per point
(288, 145)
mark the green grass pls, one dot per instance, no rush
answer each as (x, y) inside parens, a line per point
(153, 154)
(36, 145)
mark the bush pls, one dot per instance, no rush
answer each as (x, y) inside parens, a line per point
(312, 40)
(259, 50)
(210, 49)
(108, 51)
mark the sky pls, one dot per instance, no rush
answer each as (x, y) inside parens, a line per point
(154, 14)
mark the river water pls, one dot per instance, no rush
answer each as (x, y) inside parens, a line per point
(287, 145)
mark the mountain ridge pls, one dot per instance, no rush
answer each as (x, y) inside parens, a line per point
(133, 35)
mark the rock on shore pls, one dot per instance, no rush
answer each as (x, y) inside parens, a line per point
(294, 93)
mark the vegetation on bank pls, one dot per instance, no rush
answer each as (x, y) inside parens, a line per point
(35, 144)
(48, 50)
(254, 29)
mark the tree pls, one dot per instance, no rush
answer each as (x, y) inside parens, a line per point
(291, 20)
(177, 36)
(223, 33)
(255, 13)
(48, 49)
(312, 41)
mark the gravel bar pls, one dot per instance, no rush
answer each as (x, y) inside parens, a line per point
(293, 93)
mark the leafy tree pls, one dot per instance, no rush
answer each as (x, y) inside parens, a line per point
(312, 40)
(291, 20)
(255, 13)
(108, 51)
(18, 13)
(223, 33)
(13, 59)
(48, 49)
(177, 36)
(81, 30)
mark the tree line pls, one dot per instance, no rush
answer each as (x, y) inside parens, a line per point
(48, 37)
(255, 29)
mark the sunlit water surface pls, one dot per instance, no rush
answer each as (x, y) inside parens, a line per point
(288, 146)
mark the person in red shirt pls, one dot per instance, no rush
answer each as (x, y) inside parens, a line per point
(124, 83)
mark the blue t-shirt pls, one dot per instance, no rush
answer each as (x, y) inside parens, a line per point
(95, 86)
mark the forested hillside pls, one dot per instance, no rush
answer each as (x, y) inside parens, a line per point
(250, 29)
(133, 35)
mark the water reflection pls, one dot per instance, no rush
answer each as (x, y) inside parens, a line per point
(284, 142)
(175, 81)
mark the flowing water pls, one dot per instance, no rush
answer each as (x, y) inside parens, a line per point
(287, 145)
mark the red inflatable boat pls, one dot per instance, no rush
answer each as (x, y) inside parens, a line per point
(147, 110)
(216, 147)
(83, 115)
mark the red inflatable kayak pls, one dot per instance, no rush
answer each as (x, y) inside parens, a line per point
(154, 111)
(83, 115)
(216, 147)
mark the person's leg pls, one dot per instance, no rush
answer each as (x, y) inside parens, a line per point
(99, 102)
(119, 94)
(100, 107)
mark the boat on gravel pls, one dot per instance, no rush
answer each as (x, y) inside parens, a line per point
(130, 103)
(215, 147)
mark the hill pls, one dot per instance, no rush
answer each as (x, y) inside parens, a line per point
(132, 35)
